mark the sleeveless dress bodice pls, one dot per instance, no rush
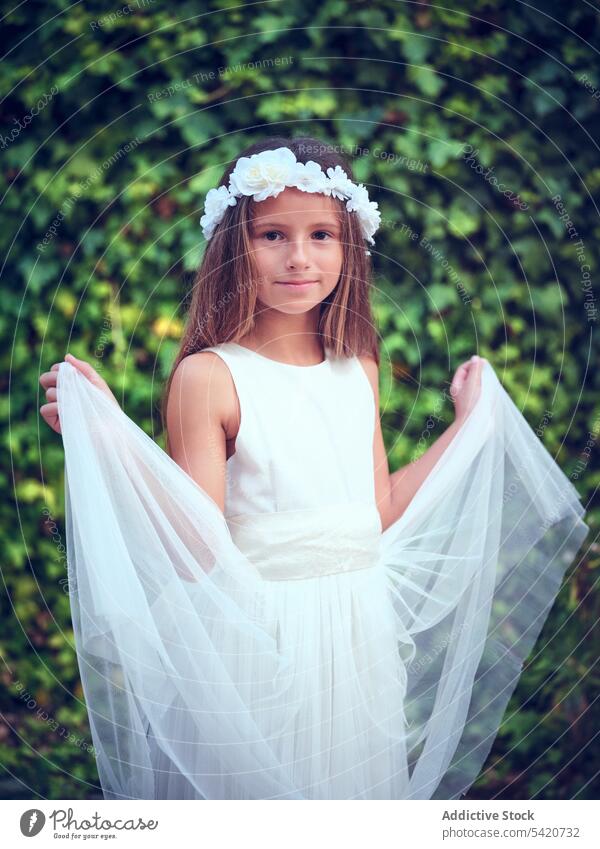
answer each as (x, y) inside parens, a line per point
(305, 438)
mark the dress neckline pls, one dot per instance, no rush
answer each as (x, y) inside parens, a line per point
(278, 362)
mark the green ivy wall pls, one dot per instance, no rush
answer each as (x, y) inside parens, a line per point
(476, 129)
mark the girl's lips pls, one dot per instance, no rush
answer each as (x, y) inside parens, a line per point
(301, 284)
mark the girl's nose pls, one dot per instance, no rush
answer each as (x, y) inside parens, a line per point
(297, 253)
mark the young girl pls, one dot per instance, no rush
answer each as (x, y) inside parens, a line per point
(264, 611)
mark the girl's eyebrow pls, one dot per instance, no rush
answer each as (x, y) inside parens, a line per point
(259, 223)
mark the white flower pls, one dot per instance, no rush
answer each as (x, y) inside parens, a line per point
(309, 177)
(340, 186)
(217, 201)
(370, 219)
(367, 211)
(264, 174)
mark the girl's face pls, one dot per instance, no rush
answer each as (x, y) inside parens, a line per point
(296, 239)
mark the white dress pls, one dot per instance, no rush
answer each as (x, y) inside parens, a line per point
(289, 649)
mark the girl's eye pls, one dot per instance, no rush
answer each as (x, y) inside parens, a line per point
(277, 233)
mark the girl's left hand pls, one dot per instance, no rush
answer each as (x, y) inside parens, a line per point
(49, 379)
(466, 387)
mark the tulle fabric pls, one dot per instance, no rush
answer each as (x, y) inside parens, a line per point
(474, 565)
(305, 654)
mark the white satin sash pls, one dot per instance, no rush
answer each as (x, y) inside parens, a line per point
(294, 544)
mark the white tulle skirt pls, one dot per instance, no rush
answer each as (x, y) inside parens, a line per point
(305, 654)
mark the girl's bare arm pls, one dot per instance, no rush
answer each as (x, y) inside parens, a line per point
(394, 492)
(202, 418)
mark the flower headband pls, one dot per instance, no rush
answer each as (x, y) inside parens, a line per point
(267, 174)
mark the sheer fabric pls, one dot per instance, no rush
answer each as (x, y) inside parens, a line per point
(304, 654)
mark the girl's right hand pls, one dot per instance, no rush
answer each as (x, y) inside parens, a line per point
(466, 387)
(48, 379)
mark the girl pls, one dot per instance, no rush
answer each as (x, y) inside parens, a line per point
(264, 611)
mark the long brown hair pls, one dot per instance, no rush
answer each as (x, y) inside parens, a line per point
(224, 292)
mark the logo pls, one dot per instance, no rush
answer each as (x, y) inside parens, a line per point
(32, 822)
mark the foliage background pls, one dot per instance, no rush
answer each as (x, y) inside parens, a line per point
(409, 79)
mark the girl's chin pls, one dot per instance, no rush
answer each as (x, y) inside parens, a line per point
(280, 297)
(295, 308)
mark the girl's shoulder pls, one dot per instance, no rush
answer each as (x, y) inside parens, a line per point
(202, 381)
(201, 369)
